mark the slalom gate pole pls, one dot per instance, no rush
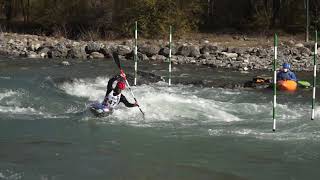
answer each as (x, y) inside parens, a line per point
(275, 81)
(170, 54)
(314, 75)
(135, 56)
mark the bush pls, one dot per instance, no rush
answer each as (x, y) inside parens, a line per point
(155, 16)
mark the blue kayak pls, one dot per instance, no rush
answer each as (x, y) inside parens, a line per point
(100, 110)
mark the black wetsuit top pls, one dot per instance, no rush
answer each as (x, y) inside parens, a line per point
(123, 99)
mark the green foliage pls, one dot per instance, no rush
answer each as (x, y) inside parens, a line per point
(67, 16)
(262, 14)
(93, 19)
(155, 16)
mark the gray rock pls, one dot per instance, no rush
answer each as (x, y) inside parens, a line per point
(34, 46)
(299, 45)
(58, 51)
(239, 51)
(93, 47)
(96, 55)
(11, 41)
(43, 52)
(107, 50)
(77, 52)
(158, 58)
(243, 59)
(149, 49)
(205, 56)
(165, 51)
(230, 55)
(143, 57)
(309, 45)
(123, 50)
(184, 50)
(304, 50)
(195, 52)
(32, 54)
(65, 63)
(222, 49)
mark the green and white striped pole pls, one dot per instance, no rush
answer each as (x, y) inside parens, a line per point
(170, 54)
(275, 81)
(135, 53)
(314, 75)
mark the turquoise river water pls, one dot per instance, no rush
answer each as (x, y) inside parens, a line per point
(189, 132)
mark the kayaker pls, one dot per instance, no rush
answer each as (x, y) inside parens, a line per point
(285, 73)
(113, 95)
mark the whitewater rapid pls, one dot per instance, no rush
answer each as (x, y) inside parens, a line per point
(216, 111)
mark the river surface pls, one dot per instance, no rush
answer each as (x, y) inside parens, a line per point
(189, 131)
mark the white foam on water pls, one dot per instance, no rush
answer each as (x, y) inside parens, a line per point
(10, 175)
(183, 106)
(10, 103)
(92, 89)
(5, 77)
(7, 93)
(19, 110)
(317, 113)
(170, 105)
(1, 175)
(159, 102)
(300, 130)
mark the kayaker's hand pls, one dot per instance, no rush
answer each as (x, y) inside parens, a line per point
(136, 104)
(123, 75)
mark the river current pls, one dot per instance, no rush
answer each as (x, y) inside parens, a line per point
(189, 131)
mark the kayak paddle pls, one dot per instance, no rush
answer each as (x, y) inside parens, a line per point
(117, 61)
(305, 84)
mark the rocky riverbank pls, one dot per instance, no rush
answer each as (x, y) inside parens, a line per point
(199, 52)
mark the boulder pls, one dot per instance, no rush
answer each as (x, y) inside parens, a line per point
(32, 54)
(58, 51)
(230, 55)
(304, 51)
(149, 49)
(165, 51)
(195, 52)
(184, 50)
(123, 50)
(93, 47)
(77, 52)
(143, 57)
(43, 52)
(158, 58)
(65, 63)
(96, 55)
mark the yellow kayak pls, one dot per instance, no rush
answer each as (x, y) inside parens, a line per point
(287, 85)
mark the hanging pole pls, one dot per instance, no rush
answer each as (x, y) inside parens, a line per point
(170, 51)
(314, 75)
(135, 53)
(275, 81)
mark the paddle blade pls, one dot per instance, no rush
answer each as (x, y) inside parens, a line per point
(116, 59)
(304, 83)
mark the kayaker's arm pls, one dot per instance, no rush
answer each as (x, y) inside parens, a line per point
(124, 100)
(293, 76)
(279, 76)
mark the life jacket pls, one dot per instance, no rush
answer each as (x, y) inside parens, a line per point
(286, 76)
(111, 100)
